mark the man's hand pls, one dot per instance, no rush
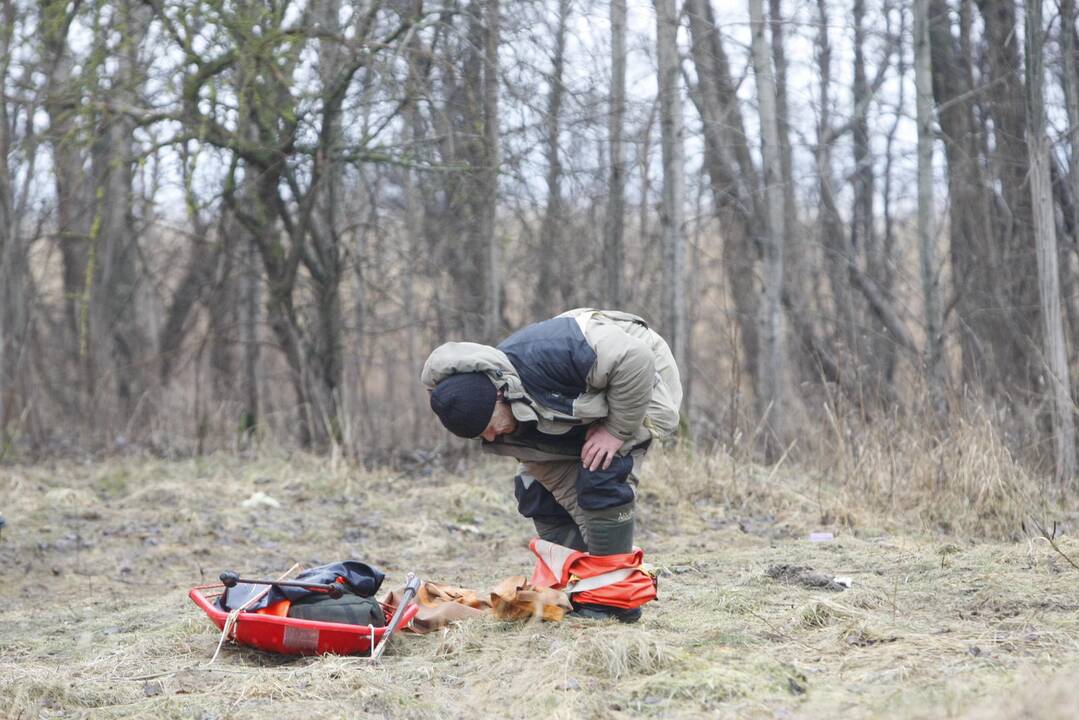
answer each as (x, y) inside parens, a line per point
(600, 448)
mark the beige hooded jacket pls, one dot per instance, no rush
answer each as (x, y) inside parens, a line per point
(580, 367)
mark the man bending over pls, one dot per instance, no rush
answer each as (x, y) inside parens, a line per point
(577, 400)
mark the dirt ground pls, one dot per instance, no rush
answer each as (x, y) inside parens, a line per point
(96, 560)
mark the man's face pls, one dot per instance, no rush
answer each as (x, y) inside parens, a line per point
(502, 422)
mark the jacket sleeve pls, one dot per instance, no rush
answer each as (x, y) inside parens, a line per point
(625, 368)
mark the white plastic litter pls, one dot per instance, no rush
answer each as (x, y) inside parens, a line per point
(821, 537)
(843, 580)
(260, 499)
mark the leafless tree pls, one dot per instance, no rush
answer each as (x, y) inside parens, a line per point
(927, 240)
(17, 141)
(773, 366)
(613, 248)
(733, 176)
(1045, 234)
(548, 257)
(672, 216)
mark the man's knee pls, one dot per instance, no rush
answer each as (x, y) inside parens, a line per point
(601, 489)
(536, 502)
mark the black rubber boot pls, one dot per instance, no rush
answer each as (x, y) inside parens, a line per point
(565, 533)
(610, 531)
(605, 612)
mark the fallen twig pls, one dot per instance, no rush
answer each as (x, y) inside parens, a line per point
(1051, 539)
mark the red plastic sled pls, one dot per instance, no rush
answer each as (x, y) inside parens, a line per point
(292, 636)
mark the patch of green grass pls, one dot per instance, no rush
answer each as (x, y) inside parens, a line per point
(113, 483)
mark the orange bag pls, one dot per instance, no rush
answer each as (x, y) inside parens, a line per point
(614, 580)
(279, 608)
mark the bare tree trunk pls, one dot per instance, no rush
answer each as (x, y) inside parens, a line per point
(770, 395)
(779, 56)
(733, 176)
(414, 216)
(1017, 290)
(471, 140)
(224, 302)
(1041, 193)
(889, 236)
(550, 259)
(974, 257)
(875, 350)
(363, 306)
(634, 292)
(1066, 234)
(798, 275)
(833, 237)
(326, 263)
(863, 236)
(106, 231)
(493, 315)
(13, 265)
(13, 318)
(251, 317)
(672, 215)
(927, 240)
(613, 252)
(62, 98)
(258, 212)
(1069, 48)
(113, 156)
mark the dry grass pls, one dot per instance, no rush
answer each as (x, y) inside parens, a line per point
(895, 476)
(949, 614)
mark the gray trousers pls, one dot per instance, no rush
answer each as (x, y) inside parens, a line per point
(606, 530)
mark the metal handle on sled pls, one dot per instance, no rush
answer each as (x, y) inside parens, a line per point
(412, 586)
(230, 579)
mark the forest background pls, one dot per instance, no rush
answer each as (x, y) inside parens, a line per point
(231, 223)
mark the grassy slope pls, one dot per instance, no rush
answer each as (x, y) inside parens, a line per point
(96, 559)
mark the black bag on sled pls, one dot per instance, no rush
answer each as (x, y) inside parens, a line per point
(359, 581)
(347, 609)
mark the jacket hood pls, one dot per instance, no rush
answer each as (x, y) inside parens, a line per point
(464, 357)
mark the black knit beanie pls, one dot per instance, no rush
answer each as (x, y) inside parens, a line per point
(465, 403)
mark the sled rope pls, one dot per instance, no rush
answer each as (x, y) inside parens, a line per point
(230, 621)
